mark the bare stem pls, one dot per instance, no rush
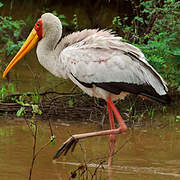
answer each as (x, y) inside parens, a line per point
(34, 149)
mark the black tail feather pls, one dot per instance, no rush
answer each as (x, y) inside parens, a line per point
(164, 99)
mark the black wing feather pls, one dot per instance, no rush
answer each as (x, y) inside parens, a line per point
(118, 87)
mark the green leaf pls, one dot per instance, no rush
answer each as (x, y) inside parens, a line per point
(54, 12)
(61, 16)
(21, 112)
(178, 89)
(53, 142)
(64, 23)
(1, 4)
(176, 52)
(16, 33)
(71, 102)
(140, 19)
(36, 110)
(177, 118)
(22, 103)
(3, 93)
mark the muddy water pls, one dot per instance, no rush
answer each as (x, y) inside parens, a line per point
(150, 154)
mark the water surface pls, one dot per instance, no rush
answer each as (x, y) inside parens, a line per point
(147, 153)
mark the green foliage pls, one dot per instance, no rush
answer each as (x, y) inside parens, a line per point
(150, 17)
(163, 55)
(52, 139)
(6, 90)
(71, 102)
(117, 22)
(75, 22)
(178, 89)
(177, 118)
(24, 100)
(62, 17)
(1, 4)
(3, 93)
(21, 112)
(36, 109)
(35, 98)
(22, 103)
(10, 40)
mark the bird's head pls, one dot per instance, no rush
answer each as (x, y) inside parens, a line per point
(43, 25)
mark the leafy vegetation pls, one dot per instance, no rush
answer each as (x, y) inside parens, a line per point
(10, 40)
(5, 90)
(62, 17)
(75, 22)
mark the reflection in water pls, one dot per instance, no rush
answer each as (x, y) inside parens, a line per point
(147, 154)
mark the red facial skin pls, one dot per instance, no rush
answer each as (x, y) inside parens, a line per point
(38, 27)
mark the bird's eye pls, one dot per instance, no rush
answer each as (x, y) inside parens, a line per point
(38, 28)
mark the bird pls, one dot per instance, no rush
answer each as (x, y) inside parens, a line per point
(101, 64)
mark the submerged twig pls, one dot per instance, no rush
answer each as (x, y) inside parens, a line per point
(99, 165)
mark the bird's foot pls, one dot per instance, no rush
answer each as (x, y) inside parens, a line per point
(67, 145)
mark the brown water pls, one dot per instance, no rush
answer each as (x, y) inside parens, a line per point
(150, 154)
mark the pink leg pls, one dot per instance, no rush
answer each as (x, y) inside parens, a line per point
(71, 142)
(121, 123)
(112, 137)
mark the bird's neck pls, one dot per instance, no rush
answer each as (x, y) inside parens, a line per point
(47, 54)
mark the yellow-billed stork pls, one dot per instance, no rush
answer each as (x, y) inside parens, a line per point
(100, 63)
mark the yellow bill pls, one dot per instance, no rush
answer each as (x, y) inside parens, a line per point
(30, 42)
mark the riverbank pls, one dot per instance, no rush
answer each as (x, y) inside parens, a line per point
(67, 107)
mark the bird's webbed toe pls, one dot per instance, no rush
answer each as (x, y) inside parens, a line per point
(67, 145)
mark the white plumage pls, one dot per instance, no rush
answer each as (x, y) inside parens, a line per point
(95, 56)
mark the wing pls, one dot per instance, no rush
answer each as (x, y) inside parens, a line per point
(112, 65)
